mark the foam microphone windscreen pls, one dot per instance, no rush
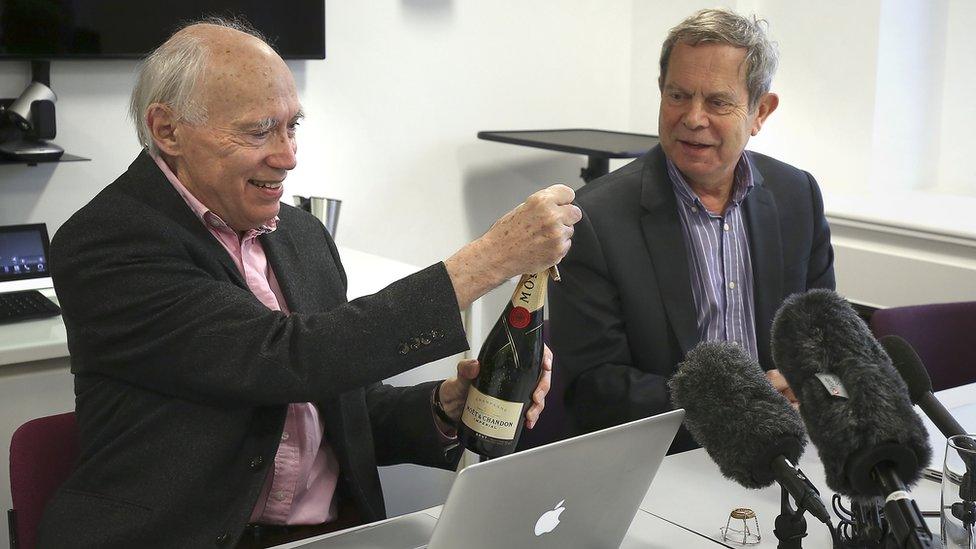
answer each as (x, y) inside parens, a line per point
(852, 400)
(735, 414)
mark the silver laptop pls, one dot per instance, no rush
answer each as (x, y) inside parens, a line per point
(580, 492)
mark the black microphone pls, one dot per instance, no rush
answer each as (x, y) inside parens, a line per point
(910, 367)
(748, 429)
(855, 406)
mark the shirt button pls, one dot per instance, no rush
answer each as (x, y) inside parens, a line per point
(731, 285)
(285, 436)
(726, 227)
(280, 495)
(694, 209)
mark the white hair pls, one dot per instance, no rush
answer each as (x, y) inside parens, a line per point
(170, 75)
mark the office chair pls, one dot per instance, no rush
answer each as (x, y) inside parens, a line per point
(43, 452)
(943, 335)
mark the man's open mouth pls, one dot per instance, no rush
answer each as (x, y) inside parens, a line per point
(265, 184)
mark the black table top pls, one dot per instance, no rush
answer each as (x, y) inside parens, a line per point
(64, 158)
(598, 143)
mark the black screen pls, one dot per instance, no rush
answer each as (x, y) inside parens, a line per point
(131, 29)
(23, 252)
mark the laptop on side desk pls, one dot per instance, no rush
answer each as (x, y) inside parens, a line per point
(23, 271)
(580, 492)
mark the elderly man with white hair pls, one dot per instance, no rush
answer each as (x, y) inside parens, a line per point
(226, 393)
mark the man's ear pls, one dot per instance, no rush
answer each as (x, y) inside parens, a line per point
(163, 128)
(766, 106)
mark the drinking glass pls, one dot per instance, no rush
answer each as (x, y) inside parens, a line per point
(959, 492)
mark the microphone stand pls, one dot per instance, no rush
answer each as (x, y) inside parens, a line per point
(790, 527)
(965, 510)
(907, 528)
(870, 528)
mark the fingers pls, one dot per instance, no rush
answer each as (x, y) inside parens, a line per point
(468, 369)
(560, 194)
(779, 383)
(541, 390)
(777, 380)
(569, 214)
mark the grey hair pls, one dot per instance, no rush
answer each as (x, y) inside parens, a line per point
(169, 76)
(722, 26)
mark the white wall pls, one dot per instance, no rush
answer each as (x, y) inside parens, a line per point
(394, 109)
(957, 170)
(874, 101)
(392, 116)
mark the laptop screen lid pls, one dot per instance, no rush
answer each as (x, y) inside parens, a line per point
(23, 257)
(579, 492)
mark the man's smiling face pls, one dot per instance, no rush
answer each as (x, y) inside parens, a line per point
(704, 121)
(235, 162)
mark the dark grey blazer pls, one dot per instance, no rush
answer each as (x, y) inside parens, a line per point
(624, 316)
(182, 376)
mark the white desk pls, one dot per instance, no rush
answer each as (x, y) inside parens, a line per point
(690, 491)
(646, 532)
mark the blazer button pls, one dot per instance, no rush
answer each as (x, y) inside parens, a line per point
(222, 538)
(404, 348)
(256, 462)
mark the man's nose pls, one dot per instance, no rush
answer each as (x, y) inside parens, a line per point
(283, 154)
(695, 117)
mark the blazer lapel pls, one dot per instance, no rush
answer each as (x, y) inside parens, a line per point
(765, 246)
(152, 188)
(283, 257)
(666, 245)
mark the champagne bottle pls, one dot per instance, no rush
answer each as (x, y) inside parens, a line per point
(510, 359)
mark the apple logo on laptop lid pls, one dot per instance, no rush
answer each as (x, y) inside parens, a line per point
(549, 520)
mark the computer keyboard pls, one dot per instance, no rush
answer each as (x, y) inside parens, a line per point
(26, 305)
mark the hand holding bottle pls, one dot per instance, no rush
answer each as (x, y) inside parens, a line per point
(536, 234)
(533, 236)
(454, 391)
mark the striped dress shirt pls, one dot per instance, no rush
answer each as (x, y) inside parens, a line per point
(719, 261)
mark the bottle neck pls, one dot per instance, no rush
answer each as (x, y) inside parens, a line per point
(530, 292)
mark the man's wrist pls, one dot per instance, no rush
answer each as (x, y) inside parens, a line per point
(440, 413)
(474, 271)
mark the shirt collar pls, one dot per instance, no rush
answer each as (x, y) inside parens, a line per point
(204, 214)
(742, 182)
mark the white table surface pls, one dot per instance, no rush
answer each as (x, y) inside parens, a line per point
(690, 491)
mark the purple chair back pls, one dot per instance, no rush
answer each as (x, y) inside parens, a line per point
(43, 452)
(943, 335)
(552, 423)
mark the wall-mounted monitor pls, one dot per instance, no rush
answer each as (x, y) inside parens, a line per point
(127, 29)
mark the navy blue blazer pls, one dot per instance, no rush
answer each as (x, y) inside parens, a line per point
(182, 377)
(624, 316)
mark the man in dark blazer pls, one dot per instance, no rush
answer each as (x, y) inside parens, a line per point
(200, 311)
(696, 240)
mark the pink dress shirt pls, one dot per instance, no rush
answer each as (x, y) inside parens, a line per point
(300, 489)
